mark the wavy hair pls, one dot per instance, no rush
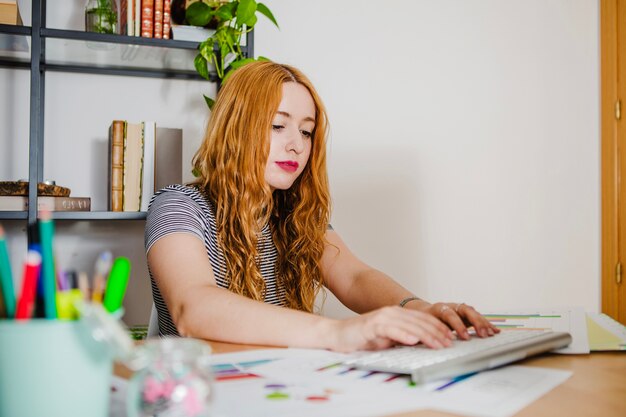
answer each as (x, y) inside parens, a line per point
(231, 166)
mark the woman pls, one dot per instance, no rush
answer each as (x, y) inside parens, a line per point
(240, 255)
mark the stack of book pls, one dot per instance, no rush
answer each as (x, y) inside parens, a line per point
(51, 197)
(51, 203)
(145, 18)
(142, 159)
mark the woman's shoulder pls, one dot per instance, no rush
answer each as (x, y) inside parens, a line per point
(181, 192)
(189, 196)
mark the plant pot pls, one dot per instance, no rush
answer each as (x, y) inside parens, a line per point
(101, 16)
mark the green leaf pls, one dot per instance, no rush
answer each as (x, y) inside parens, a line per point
(228, 74)
(263, 59)
(206, 48)
(245, 11)
(198, 14)
(195, 172)
(226, 11)
(201, 66)
(252, 21)
(209, 102)
(241, 62)
(265, 11)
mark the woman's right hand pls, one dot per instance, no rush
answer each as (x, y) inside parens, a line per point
(389, 326)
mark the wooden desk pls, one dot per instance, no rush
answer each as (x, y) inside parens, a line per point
(597, 387)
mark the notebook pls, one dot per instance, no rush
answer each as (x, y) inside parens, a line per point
(463, 357)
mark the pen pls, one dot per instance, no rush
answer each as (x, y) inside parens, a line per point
(39, 308)
(103, 265)
(46, 232)
(6, 278)
(26, 302)
(116, 285)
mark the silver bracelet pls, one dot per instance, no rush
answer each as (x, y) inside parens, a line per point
(408, 299)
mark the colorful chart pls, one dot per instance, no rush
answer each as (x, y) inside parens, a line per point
(231, 371)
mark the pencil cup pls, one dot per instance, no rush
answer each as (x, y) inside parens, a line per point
(52, 368)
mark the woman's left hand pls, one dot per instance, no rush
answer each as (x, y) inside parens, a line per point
(459, 316)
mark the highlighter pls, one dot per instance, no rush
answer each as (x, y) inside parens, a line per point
(116, 284)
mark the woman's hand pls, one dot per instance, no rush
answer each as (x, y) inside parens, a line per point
(458, 317)
(388, 326)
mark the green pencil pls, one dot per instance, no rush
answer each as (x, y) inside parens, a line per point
(6, 278)
(46, 233)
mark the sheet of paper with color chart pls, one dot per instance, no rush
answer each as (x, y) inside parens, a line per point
(570, 319)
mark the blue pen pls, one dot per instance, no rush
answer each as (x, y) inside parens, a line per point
(6, 278)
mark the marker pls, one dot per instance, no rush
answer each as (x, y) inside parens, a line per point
(46, 232)
(116, 285)
(103, 266)
(26, 302)
(66, 302)
(6, 278)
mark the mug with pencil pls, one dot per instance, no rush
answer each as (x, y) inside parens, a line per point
(58, 334)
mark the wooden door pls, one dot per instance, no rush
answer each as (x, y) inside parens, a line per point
(613, 91)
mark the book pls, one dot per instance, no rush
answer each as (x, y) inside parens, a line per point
(137, 17)
(20, 203)
(168, 160)
(167, 18)
(158, 19)
(147, 178)
(116, 165)
(147, 18)
(133, 162)
(10, 13)
(127, 16)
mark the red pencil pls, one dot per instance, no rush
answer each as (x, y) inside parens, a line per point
(26, 303)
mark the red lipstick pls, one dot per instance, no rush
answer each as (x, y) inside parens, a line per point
(289, 166)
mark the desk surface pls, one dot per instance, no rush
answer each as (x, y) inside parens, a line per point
(597, 386)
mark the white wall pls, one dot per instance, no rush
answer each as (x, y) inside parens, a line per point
(464, 147)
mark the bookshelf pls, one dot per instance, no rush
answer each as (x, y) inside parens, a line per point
(74, 51)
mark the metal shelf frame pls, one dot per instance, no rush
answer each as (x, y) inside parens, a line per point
(38, 34)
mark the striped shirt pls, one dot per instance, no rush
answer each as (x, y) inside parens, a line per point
(183, 209)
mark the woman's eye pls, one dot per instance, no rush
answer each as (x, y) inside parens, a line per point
(278, 127)
(306, 133)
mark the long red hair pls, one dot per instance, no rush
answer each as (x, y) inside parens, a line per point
(231, 166)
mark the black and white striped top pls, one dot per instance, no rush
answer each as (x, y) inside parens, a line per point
(183, 209)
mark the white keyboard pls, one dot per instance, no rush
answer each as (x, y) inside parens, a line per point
(462, 357)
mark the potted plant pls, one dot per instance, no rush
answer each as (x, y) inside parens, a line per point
(232, 20)
(101, 16)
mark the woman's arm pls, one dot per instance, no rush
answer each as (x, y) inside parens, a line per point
(362, 288)
(200, 309)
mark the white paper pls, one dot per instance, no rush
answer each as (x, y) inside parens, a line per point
(571, 320)
(500, 392)
(302, 382)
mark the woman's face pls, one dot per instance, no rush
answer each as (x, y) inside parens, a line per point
(290, 140)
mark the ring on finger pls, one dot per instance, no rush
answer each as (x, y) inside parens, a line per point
(443, 309)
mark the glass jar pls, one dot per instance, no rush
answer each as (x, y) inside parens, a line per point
(175, 379)
(101, 16)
